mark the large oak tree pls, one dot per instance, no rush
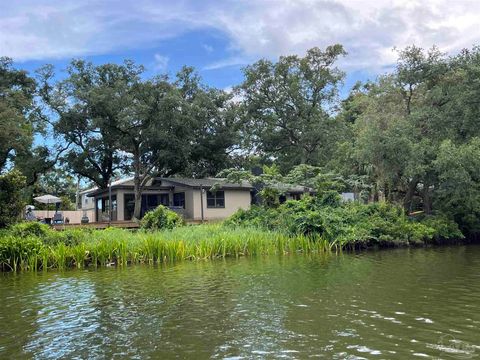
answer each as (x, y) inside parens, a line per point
(289, 106)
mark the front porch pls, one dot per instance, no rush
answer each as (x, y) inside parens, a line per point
(123, 203)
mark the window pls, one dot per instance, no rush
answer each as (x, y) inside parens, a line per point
(103, 208)
(296, 196)
(129, 206)
(151, 201)
(179, 200)
(216, 199)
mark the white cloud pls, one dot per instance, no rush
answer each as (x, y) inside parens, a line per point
(161, 63)
(46, 29)
(369, 29)
(232, 61)
(208, 48)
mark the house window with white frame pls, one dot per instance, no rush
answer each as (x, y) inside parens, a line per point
(215, 199)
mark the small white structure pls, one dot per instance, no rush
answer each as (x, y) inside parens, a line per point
(348, 196)
(86, 203)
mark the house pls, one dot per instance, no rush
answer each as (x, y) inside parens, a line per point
(86, 202)
(192, 198)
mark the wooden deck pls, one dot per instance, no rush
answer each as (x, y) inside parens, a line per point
(117, 224)
(98, 225)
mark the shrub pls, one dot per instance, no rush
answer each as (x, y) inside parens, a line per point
(11, 203)
(256, 216)
(348, 224)
(47, 235)
(25, 229)
(443, 228)
(161, 218)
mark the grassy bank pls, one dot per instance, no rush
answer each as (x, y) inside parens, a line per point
(47, 249)
(313, 224)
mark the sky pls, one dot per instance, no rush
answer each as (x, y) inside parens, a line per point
(220, 37)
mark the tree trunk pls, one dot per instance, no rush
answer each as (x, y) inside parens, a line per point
(137, 212)
(376, 197)
(407, 201)
(427, 202)
(137, 188)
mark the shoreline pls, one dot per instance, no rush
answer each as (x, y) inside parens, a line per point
(82, 249)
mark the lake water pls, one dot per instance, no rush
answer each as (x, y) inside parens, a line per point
(394, 304)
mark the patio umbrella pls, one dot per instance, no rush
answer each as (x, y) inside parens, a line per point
(47, 199)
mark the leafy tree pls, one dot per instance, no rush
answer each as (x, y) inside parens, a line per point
(216, 132)
(37, 162)
(384, 137)
(154, 134)
(60, 183)
(394, 140)
(175, 127)
(458, 191)
(289, 106)
(416, 132)
(89, 104)
(12, 184)
(18, 122)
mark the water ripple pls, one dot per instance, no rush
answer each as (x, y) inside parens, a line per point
(388, 304)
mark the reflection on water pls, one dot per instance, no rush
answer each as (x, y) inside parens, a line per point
(387, 304)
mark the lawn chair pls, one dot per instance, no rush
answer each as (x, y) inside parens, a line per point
(30, 215)
(57, 218)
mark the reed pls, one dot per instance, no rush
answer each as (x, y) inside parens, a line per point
(121, 247)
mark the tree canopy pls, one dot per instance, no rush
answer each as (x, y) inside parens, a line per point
(290, 104)
(410, 136)
(17, 116)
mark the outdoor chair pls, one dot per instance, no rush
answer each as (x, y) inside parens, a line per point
(57, 218)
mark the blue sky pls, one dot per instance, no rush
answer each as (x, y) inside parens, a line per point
(220, 37)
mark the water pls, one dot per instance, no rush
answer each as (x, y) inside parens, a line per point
(393, 304)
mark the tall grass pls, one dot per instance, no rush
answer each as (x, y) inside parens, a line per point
(121, 247)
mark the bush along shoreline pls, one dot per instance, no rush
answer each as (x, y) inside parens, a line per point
(319, 224)
(351, 225)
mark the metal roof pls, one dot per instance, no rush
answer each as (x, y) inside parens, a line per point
(207, 183)
(161, 183)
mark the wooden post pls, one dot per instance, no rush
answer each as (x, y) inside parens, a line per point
(201, 202)
(110, 202)
(77, 195)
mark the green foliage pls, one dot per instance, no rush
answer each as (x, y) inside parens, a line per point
(415, 134)
(11, 202)
(121, 247)
(28, 228)
(89, 103)
(458, 193)
(347, 224)
(19, 253)
(256, 216)
(60, 183)
(47, 235)
(445, 228)
(17, 123)
(161, 218)
(287, 106)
